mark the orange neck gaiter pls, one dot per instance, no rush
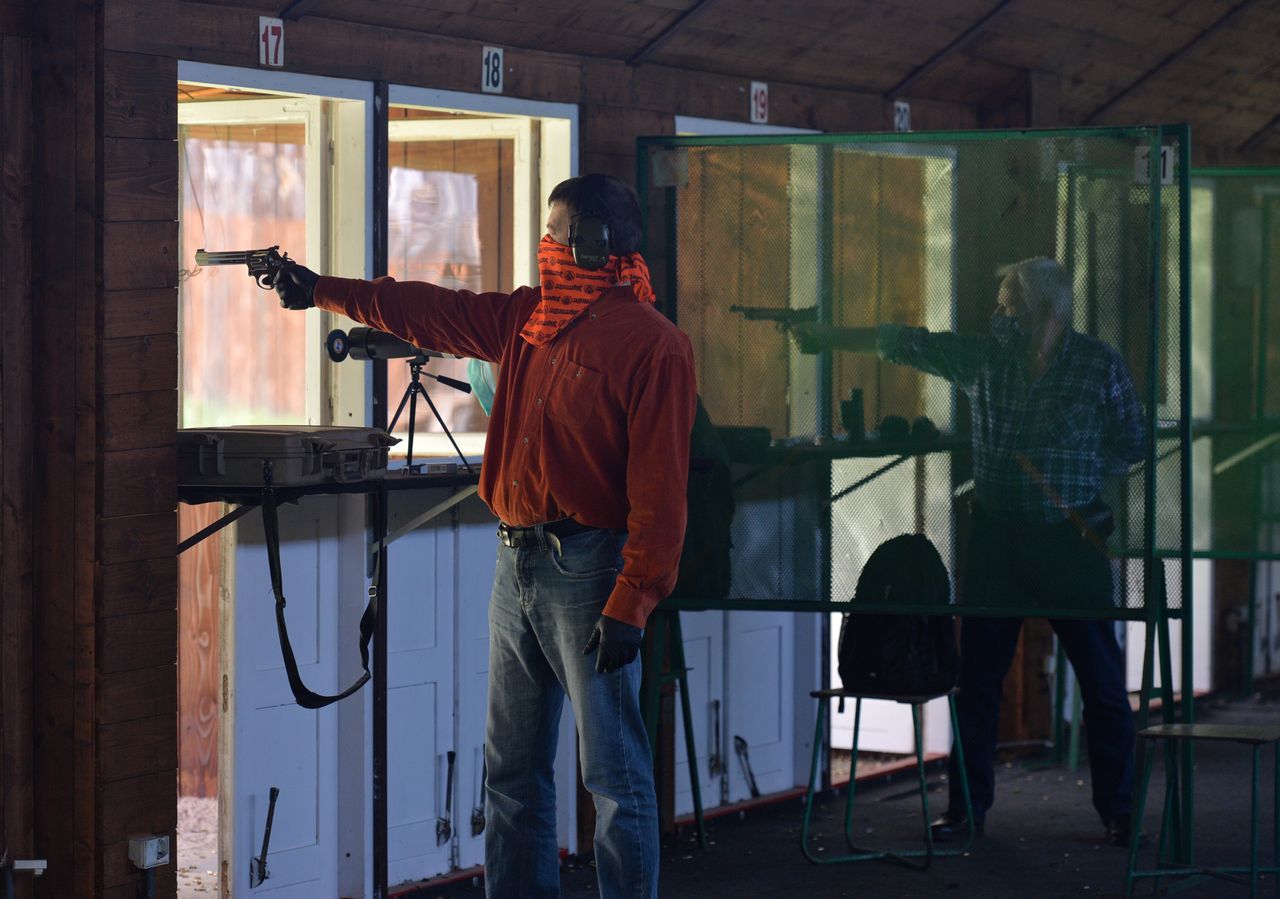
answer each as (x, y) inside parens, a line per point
(568, 289)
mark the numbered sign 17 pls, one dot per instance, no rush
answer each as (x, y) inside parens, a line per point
(759, 102)
(270, 42)
(491, 76)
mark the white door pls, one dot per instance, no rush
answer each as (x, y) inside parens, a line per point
(703, 650)
(273, 742)
(420, 688)
(475, 549)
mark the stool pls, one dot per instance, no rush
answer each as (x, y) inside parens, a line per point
(1256, 736)
(907, 856)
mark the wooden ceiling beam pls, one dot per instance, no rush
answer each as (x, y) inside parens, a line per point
(946, 52)
(1252, 140)
(667, 33)
(1173, 57)
(297, 9)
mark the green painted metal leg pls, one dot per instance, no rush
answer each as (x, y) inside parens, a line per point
(852, 789)
(813, 774)
(691, 754)
(1144, 780)
(924, 788)
(958, 747)
(1253, 826)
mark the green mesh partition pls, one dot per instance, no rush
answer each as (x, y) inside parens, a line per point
(751, 236)
(1235, 270)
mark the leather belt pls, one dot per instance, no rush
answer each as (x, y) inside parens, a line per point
(537, 535)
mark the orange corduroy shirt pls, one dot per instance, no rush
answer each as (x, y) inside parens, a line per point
(593, 426)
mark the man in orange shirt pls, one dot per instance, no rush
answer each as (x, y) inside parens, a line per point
(586, 466)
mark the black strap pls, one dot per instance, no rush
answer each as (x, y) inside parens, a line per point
(305, 697)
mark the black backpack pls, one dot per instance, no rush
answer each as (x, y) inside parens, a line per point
(901, 654)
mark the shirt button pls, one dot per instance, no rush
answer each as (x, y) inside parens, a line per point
(515, 483)
(553, 360)
(526, 441)
(593, 315)
(538, 401)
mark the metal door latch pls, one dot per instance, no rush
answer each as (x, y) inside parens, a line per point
(258, 866)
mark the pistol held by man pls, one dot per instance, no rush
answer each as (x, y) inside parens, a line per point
(264, 265)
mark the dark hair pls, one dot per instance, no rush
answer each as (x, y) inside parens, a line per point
(588, 193)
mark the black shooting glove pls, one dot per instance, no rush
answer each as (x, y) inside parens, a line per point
(618, 643)
(296, 286)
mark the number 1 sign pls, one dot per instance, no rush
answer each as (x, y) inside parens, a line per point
(270, 42)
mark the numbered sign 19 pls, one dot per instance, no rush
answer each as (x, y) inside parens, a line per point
(759, 102)
(491, 76)
(270, 42)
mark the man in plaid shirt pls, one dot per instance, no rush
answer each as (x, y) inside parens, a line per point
(1054, 412)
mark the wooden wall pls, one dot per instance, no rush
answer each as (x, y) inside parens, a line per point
(16, 437)
(137, 611)
(88, 202)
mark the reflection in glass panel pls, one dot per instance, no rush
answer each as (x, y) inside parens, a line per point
(450, 218)
(242, 362)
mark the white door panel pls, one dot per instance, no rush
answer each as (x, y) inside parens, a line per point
(704, 655)
(420, 674)
(760, 684)
(476, 547)
(275, 742)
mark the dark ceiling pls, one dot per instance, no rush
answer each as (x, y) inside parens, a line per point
(1212, 63)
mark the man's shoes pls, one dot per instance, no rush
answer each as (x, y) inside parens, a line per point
(1120, 831)
(954, 826)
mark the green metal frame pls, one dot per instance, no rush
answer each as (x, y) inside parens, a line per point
(1154, 612)
(856, 853)
(1261, 423)
(1183, 863)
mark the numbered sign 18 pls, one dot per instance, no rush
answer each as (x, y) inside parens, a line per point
(491, 76)
(759, 102)
(270, 42)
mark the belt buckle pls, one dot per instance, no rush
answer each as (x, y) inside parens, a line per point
(504, 536)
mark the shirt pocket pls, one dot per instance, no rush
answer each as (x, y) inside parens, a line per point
(1075, 424)
(575, 395)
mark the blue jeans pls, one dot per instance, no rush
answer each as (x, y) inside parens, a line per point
(544, 606)
(1018, 566)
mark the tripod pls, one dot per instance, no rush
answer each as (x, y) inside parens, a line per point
(412, 391)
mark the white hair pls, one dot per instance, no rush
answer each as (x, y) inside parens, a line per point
(1043, 283)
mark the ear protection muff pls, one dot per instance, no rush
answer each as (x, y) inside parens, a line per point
(589, 236)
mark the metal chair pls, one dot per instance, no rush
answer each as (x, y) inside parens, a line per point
(1255, 736)
(909, 857)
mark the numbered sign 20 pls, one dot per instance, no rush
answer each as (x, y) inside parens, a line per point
(270, 42)
(759, 102)
(901, 115)
(491, 76)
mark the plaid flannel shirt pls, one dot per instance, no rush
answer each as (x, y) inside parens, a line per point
(1040, 448)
